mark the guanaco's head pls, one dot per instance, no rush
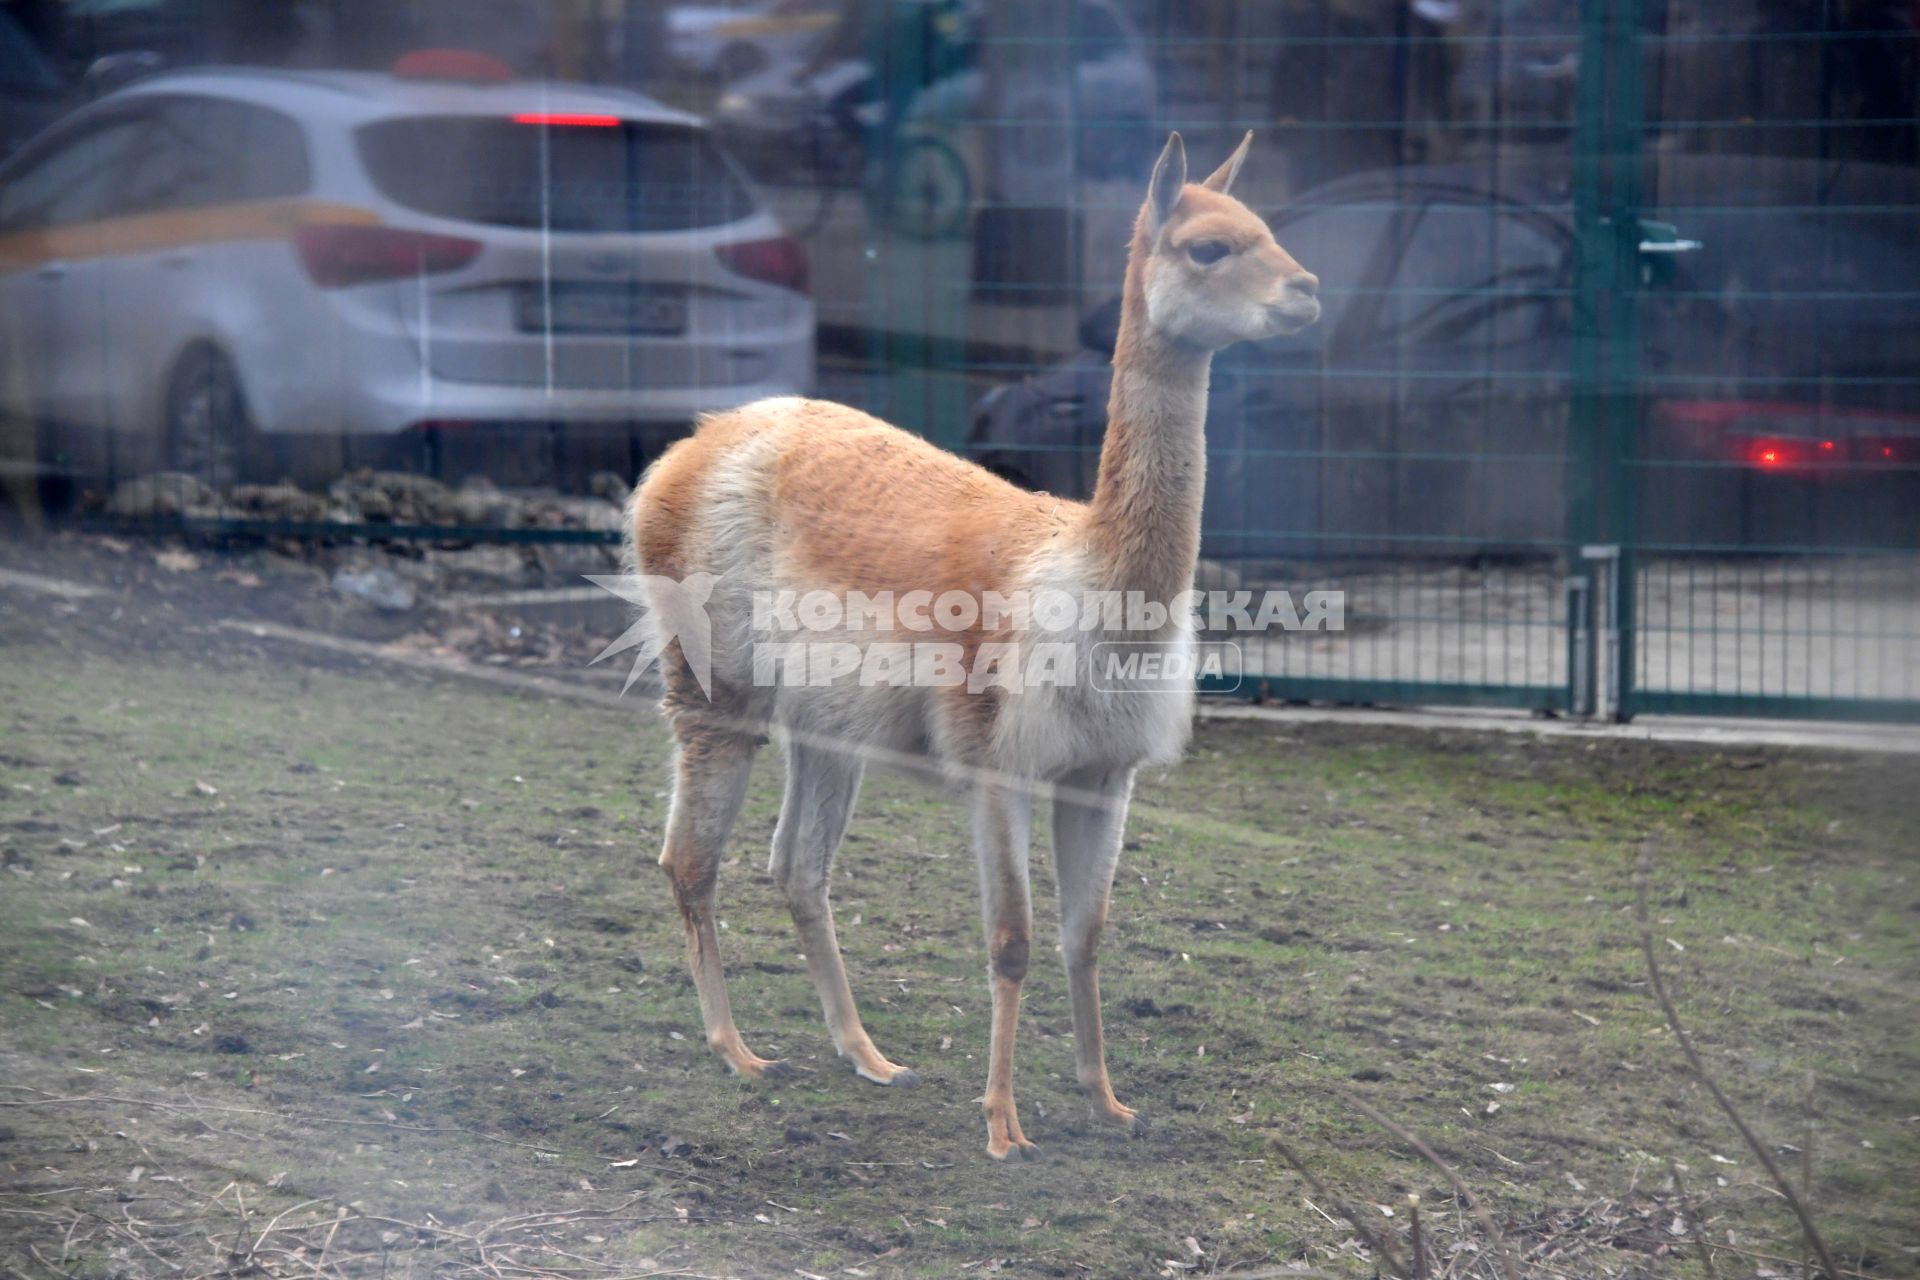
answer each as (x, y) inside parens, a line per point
(1210, 273)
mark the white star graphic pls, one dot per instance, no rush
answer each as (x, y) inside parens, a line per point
(672, 609)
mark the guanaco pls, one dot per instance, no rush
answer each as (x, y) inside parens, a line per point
(802, 495)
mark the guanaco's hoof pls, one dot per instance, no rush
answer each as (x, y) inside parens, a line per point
(902, 1077)
(1016, 1151)
(764, 1069)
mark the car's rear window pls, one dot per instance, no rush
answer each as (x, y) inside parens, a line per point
(566, 177)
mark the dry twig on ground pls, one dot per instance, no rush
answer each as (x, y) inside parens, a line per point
(1375, 1241)
(1698, 1229)
(1459, 1184)
(1641, 874)
(1413, 1232)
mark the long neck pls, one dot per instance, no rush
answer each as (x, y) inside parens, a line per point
(1144, 521)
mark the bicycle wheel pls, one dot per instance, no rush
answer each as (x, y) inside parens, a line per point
(922, 190)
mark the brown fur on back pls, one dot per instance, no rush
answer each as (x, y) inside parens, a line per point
(666, 503)
(855, 504)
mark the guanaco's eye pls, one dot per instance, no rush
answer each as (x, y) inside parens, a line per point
(1207, 252)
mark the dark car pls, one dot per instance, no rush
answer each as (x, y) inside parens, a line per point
(1430, 407)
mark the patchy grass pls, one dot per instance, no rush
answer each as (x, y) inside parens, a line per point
(406, 951)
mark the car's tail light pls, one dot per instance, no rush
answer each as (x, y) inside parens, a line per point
(780, 261)
(1778, 455)
(1793, 436)
(340, 254)
(568, 119)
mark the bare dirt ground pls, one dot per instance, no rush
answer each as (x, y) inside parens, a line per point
(312, 966)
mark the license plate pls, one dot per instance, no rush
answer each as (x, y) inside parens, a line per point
(602, 308)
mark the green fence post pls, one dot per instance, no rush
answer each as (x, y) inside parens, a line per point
(1592, 279)
(1625, 110)
(1604, 414)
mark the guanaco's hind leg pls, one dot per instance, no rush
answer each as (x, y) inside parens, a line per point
(710, 781)
(1001, 820)
(822, 785)
(1089, 814)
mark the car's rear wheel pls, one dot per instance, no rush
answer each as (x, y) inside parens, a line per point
(208, 433)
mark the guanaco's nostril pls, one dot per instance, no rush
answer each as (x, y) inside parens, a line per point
(1304, 285)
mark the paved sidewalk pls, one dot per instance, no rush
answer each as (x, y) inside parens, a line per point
(1711, 731)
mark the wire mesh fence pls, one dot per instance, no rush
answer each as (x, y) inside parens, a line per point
(1805, 634)
(1612, 404)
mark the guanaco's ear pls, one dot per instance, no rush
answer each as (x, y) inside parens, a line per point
(1169, 175)
(1221, 179)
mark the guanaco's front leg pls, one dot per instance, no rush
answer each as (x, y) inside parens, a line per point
(1089, 815)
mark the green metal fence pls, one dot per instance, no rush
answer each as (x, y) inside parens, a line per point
(1753, 496)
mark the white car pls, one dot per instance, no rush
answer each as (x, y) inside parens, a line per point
(213, 257)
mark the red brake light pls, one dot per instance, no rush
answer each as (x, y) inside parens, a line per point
(780, 261)
(462, 65)
(565, 118)
(340, 254)
(1775, 455)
